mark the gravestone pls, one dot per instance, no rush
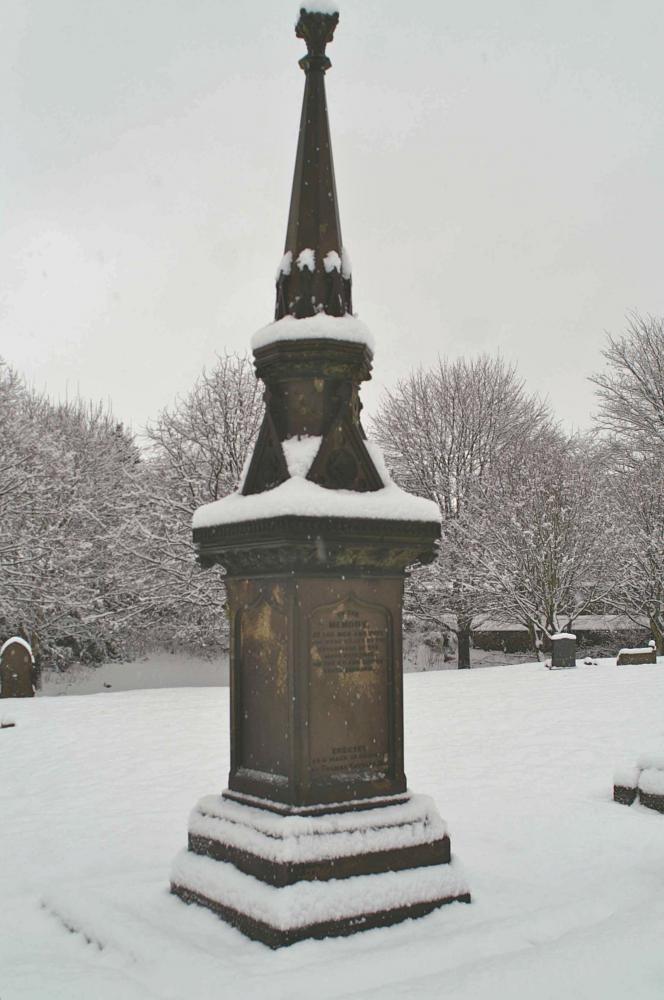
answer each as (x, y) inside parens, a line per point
(316, 544)
(563, 650)
(644, 654)
(17, 670)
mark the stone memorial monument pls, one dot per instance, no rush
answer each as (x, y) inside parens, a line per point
(17, 669)
(317, 833)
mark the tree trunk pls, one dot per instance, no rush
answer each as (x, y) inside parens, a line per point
(536, 642)
(657, 629)
(463, 639)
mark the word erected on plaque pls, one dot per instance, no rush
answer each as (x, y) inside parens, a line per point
(349, 644)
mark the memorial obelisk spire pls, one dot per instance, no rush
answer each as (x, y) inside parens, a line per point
(312, 377)
(314, 275)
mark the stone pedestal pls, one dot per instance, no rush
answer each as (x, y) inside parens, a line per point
(282, 878)
(316, 834)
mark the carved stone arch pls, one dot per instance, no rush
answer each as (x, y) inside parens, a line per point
(343, 461)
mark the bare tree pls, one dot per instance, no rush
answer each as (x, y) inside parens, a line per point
(196, 455)
(442, 431)
(543, 537)
(638, 552)
(96, 557)
(630, 392)
(202, 441)
(63, 492)
(631, 389)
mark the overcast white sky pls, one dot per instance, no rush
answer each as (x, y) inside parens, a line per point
(499, 165)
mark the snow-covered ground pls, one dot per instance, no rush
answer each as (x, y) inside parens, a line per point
(568, 888)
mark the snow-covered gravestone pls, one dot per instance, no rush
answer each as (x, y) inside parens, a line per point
(563, 650)
(317, 833)
(643, 654)
(17, 669)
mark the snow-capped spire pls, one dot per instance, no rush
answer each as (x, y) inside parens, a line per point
(319, 283)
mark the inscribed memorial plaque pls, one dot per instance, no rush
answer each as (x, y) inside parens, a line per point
(349, 650)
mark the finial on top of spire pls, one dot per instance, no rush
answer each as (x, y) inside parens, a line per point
(316, 25)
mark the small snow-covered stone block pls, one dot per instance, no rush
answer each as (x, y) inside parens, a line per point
(651, 788)
(644, 654)
(625, 785)
(646, 781)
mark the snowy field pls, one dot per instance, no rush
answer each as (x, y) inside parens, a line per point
(568, 888)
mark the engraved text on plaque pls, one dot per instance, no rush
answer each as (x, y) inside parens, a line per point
(349, 646)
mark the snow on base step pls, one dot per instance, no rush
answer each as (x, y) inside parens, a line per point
(306, 903)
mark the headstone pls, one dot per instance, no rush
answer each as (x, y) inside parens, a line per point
(563, 650)
(317, 805)
(644, 654)
(16, 669)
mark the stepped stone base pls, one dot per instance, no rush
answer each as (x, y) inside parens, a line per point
(281, 879)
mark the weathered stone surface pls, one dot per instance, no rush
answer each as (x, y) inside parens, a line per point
(627, 656)
(312, 388)
(317, 546)
(563, 652)
(651, 801)
(624, 794)
(316, 703)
